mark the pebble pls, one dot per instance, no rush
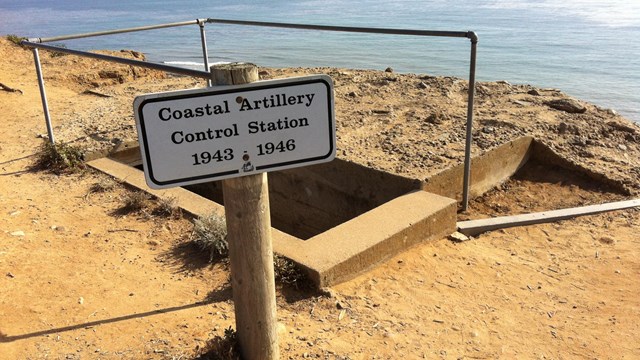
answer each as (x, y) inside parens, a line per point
(567, 105)
(622, 147)
(281, 329)
(17, 233)
(328, 292)
(562, 127)
(458, 236)
(607, 240)
(488, 129)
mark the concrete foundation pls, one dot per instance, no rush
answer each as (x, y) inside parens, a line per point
(339, 219)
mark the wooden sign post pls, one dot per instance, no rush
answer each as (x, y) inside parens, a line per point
(246, 202)
(237, 132)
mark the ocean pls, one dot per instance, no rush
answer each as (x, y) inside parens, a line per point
(586, 48)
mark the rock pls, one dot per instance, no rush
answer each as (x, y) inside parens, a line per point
(389, 70)
(607, 240)
(488, 130)
(482, 90)
(458, 236)
(562, 128)
(622, 147)
(328, 292)
(10, 275)
(435, 118)
(17, 233)
(567, 105)
(135, 54)
(281, 329)
(353, 94)
(422, 85)
(621, 127)
(534, 92)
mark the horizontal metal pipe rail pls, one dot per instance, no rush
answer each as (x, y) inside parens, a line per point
(459, 34)
(125, 61)
(116, 31)
(37, 43)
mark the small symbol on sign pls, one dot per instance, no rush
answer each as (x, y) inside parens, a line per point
(247, 165)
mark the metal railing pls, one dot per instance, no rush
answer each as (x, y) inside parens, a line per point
(38, 43)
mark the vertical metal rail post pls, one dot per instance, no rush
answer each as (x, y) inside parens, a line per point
(205, 52)
(43, 95)
(467, 149)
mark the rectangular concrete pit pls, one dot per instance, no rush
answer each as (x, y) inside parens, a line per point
(339, 219)
(310, 200)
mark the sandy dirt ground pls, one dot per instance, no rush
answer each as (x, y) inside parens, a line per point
(80, 278)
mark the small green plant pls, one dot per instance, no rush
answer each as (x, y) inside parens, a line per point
(287, 272)
(135, 201)
(103, 185)
(210, 234)
(16, 39)
(222, 347)
(167, 207)
(60, 158)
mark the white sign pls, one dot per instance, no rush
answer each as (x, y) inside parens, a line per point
(193, 136)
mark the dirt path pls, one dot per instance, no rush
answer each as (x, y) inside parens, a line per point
(82, 279)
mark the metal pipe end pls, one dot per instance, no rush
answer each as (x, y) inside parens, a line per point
(30, 40)
(472, 36)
